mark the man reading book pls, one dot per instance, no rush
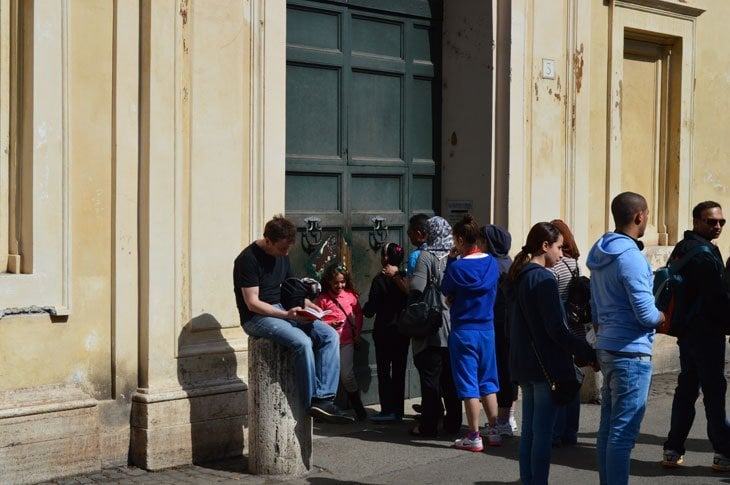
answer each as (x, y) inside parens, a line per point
(258, 273)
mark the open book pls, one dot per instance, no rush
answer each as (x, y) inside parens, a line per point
(312, 313)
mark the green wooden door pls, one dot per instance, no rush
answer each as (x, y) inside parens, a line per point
(363, 116)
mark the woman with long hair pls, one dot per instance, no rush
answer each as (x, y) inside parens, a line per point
(541, 346)
(567, 418)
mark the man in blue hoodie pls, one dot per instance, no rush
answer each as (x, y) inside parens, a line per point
(623, 308)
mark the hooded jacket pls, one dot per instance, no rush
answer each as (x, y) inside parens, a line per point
(621, 295)
(500, 242)
(705, 285)
(537, 317)
(472, 283)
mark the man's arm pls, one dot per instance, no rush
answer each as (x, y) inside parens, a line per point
(251, 299)
(638, 286)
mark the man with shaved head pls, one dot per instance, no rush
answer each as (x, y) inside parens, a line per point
(626, 317)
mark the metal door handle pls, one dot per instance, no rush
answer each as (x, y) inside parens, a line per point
(379, 232)
(312, 234)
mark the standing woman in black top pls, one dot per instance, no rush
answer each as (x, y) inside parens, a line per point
(541, 345)
(385, 302)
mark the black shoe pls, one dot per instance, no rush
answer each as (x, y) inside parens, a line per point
(356, 402)
(418, 408)
(327, 411)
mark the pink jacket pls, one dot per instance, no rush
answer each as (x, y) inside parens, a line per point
(348, 301)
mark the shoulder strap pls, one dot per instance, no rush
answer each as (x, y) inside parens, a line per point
(675, 266)
(435, 270)
(349, 316)
(532, 343)
(573, 274)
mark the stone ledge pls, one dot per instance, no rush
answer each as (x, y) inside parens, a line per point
(43, 399)
(56, 425)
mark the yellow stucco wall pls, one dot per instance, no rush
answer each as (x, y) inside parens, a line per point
(711, 154)
(80, 344)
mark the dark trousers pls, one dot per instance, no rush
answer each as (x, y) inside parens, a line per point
(437, 384)
(702, 363)
(391, 358)
(508, 390)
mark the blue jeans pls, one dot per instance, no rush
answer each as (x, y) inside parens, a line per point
(567, 420)
(538, 418)
(702, 363)
(316, 349)
(625, 389)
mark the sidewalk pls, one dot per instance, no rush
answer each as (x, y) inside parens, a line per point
(379, 454)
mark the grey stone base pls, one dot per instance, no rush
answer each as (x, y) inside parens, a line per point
(187, 426)
(47, 432)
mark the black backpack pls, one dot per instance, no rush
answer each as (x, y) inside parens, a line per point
(578, 302)
(670, 295)
(295, 290)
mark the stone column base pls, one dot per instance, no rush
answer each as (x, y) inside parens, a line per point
(186, 426)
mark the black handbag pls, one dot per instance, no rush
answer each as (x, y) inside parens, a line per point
(424, 317)
(563, 392)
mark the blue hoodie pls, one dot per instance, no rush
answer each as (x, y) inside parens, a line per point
(621, 295)
(472, 282)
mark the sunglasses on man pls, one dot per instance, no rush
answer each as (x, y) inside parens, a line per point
(714, 222)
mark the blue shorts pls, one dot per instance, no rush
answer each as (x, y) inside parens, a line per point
(473, 362)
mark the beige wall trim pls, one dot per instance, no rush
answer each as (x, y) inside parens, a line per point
(125, 173)
(683, 28)
(5, 104)
(47, 279)
(268, 118)
(158, 190)
(663, 7)
(579, 122)
(65, 169)
(571, 41)
(182, 135)
(519, 121)
(146, 396)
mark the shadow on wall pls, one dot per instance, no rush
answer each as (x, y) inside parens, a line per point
(207, 371)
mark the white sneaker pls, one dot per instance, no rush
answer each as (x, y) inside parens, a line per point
(513, 424)
(469, 445)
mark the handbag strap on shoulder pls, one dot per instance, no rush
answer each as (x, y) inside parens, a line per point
(534, 349)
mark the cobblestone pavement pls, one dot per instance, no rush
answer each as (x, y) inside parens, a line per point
(366, 453)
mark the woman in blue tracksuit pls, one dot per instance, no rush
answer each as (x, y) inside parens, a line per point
(540, 344)
(470, 286)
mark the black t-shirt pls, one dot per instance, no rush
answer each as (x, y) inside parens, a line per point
(253, 267)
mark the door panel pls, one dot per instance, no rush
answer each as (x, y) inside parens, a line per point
(376, 36)
(319, 29)
(363, 111)
(374, 130)
(313, 127)
(644, 131)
